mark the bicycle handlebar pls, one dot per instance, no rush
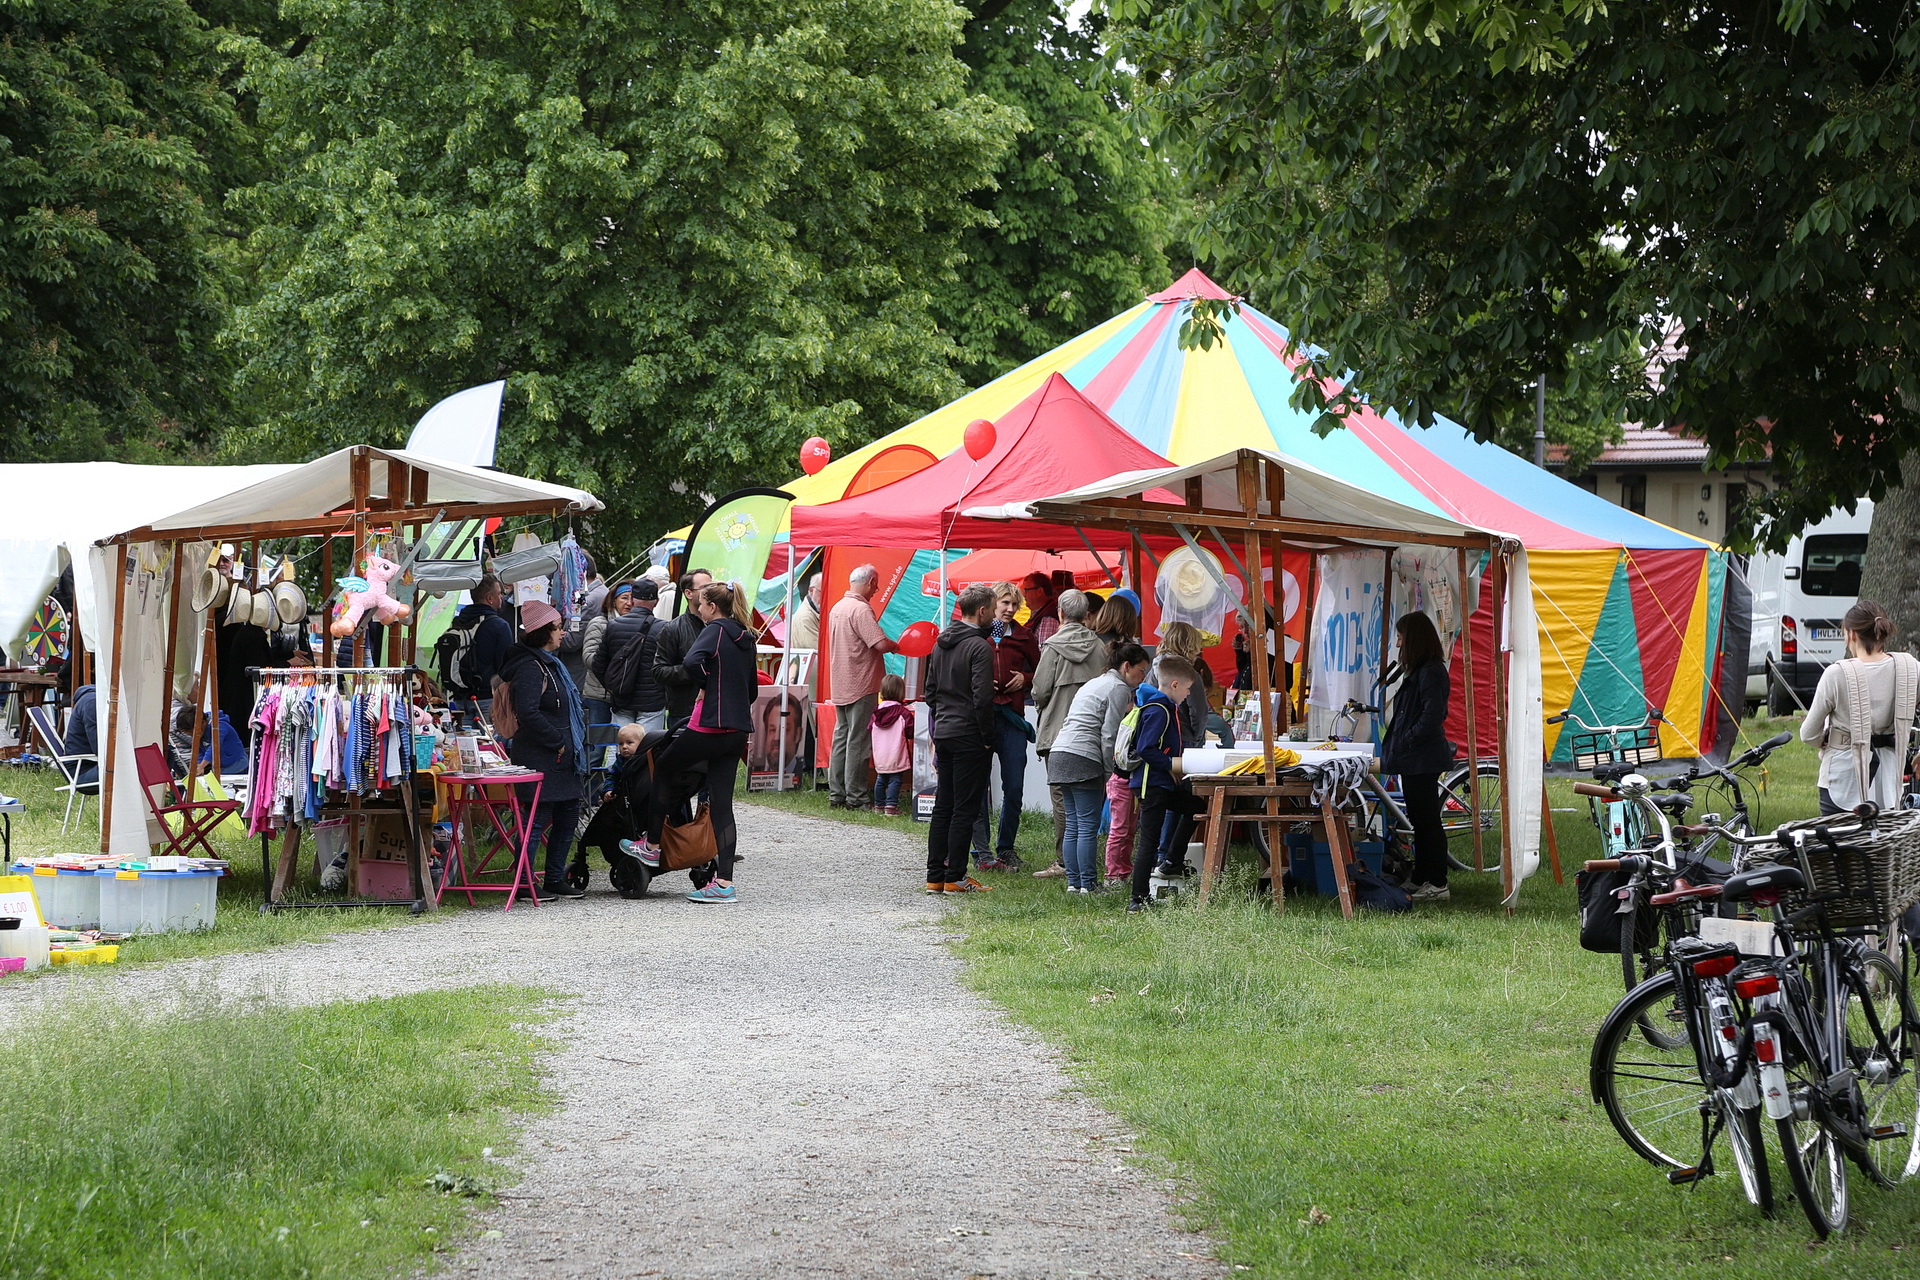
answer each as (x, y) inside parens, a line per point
(1597, 791)
(1654, 716)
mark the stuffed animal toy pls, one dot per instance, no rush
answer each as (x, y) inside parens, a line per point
(369, 595)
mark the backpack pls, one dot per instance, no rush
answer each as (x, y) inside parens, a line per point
(453, 656)
(506, 719)
(1124, 760)
(1375, 892)
(620, 673)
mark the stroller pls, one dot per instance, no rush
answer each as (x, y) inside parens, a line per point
(623, 816)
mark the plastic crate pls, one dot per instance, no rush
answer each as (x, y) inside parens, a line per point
(12, 964)
(87, 955)
(1371, 854)
(158, 901)
(382, 881)
(68, 899)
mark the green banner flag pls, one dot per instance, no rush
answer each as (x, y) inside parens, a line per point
(733, 539)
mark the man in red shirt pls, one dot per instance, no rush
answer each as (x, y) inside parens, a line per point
(856, 650)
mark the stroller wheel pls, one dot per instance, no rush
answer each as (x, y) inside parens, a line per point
(577, 875)
(703, 875)
(630, 878)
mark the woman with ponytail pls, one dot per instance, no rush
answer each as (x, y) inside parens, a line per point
(1862, 715)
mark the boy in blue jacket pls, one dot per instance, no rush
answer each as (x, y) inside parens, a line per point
(1156, 743)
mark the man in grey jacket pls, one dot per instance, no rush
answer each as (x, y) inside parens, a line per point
(670, 651)
(960, 694)
(1069, 658)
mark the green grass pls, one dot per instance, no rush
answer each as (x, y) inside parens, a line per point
(239, 924)
(220, 1140)
(1388, 1096)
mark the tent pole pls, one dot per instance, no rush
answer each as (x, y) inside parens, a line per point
(786, 677)
(173, 642)
(113, 696)
(358, 469)
(1473, 734)
(1498, 566)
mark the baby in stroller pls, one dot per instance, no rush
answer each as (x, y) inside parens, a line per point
(618, 825)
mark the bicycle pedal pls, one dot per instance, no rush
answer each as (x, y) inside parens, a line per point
(1884, 1132)
(1681, 1177)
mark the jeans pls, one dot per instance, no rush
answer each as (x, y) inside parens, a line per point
(1010, 745)
(1084, 801)
(1155, 804)
(722, 753)
(598, 710)
(1421, 793)
(852, 750)
(1119, 826)
(886, 789)
(553, 821)
(963, 768)
(651, 721)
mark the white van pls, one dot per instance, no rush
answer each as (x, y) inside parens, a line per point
(1798, 599)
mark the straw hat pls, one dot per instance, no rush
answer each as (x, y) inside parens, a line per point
(1185, 582)
(210, 589)
(262, 614)
(239, 607)
(290, 602)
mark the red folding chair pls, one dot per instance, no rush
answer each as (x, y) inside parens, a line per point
(197, 817)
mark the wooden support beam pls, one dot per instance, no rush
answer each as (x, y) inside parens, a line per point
(1105, 515)
(339, 522)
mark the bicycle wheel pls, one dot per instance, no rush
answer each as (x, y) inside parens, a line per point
(1889, 1094)
(1456, 815)
(1815, 1164)
(1650, 1086)
(1749, 1150)
(1639, 963)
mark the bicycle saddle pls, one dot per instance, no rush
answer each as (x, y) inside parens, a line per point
(1745, 884)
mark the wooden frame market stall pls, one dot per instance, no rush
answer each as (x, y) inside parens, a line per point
(357, 491)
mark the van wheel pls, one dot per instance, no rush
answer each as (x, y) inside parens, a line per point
(1779, 697)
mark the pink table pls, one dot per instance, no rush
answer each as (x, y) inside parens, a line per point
(474, 802)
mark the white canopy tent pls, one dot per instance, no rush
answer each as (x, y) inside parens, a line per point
(1312, 509)
(345, 492)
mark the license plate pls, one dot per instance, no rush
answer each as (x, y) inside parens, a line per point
(1823, 633)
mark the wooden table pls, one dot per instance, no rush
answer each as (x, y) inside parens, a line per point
(32, 687)
(1283, 804)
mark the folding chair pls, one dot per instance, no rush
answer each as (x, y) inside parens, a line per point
(197, 817)
(69, 766)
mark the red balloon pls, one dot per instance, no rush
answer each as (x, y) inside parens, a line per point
(979, 438)
(917, 640)
(815, 454)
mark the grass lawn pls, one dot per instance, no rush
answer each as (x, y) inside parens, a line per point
(239, 925)
(1390, 1096)
(248, 1141)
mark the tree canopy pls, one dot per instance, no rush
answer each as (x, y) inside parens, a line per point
(1452, 197)
(111, 278)
(689, 238)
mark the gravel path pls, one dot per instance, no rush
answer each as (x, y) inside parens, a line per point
(796, 1085)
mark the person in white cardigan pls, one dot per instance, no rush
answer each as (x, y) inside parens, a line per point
(1862, 715)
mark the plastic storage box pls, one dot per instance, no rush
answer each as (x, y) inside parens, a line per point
(157, 901)
(68, 899)
(1370, 853)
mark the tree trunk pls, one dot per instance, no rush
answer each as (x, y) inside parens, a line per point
(1891, 572)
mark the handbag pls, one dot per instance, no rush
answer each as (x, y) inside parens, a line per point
(688, 844)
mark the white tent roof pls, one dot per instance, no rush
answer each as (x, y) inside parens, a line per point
(1310, 494)
(311, 490)
(51, 505)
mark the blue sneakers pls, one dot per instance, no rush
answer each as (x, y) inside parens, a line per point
(714, 892)
(642, 850)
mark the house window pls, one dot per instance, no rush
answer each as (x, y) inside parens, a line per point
(1633, 494)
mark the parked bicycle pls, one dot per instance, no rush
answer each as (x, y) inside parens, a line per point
(1457, 808)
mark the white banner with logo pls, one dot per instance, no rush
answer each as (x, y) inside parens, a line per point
(1345, 643)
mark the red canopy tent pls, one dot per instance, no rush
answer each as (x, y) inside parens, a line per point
(1053, 441)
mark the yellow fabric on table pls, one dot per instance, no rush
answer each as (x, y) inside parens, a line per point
(1283, 758)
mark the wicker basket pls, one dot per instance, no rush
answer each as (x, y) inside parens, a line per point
(1639, 745)
(1861, 873)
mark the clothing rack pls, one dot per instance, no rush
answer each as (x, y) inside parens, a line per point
(279, 875)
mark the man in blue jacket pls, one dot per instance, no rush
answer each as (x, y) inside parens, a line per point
(492, 636)
(1156, 744)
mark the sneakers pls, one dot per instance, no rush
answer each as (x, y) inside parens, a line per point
(836, 804)
(1173, 871)
(1429, 893)
(1138, 904)
(561, 889)
(1011, 862)
(936, 886)
(642, 850)
(1049, 873)
(968, 885)
(714, 892)
(890, 811)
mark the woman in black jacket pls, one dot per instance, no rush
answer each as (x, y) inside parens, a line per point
(721, 664)
(550, 738)
(1417, 749)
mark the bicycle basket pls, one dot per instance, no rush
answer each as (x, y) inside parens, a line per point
(1860, 873)
(1640, 745)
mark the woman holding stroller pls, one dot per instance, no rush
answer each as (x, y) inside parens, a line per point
(720, 664)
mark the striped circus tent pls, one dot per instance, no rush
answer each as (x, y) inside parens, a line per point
(1630, 610)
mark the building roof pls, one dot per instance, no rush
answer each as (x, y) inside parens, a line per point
(1641, 446)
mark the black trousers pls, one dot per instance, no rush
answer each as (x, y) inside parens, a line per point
(722, 753)
(1158, 840)
(1421, 792)
(964, 768)
(554, 822)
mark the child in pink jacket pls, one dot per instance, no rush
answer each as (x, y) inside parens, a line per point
(892, 745)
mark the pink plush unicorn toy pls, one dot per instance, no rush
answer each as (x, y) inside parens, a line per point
(369, 594)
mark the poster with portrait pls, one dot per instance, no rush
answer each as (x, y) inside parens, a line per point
(767, 756)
